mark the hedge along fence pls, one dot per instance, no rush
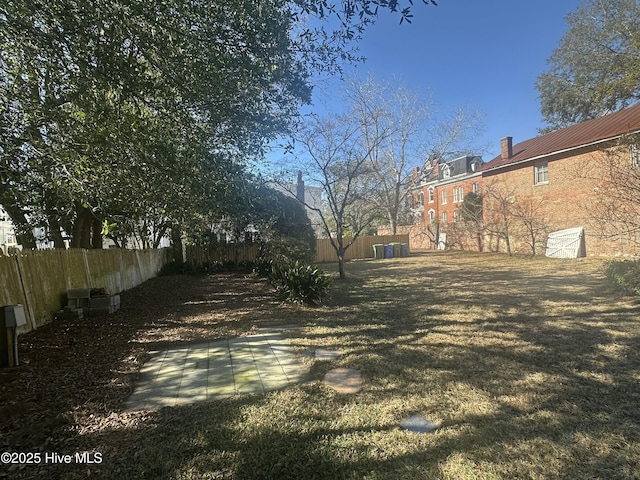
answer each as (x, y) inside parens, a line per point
(39, 279)
(362, 248)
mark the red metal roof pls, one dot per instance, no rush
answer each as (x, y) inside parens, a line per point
(585, 133)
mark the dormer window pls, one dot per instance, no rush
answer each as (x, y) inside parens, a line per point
(447, 171)
(475, 165)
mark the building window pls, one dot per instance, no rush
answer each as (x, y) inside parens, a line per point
(635, 156)
(455, 194)
(11, 239)
(421, 196)
(444, 197)
(431, 194)
(461, 194)
(446, 171)
(444, 217)
(456, 216)
(432, 216)
(476, 187)
(541, 172)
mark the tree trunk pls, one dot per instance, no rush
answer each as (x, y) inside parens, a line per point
(479, 238)
(96, 233)
(394, 226)
(53, 221)
(81, 237)
(54, 231)
(176, 241)
(343, 274)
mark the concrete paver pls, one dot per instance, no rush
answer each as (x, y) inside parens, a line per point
(204, 371)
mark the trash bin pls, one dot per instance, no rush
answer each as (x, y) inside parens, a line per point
(378, 250)
(388, 251)
(404, 249)
(396, 249)
(11, 317)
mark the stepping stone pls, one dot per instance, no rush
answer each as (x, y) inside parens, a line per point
(418, 424)
(324, 354)
(344, 380)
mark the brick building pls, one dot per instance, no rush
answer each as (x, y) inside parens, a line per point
(585, 176)
(441, 190)
(572, 177)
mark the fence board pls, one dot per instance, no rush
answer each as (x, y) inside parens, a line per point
(362, 248)
(39, 279)
(198, 255)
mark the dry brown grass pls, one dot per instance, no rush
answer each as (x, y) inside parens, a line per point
(528, 366)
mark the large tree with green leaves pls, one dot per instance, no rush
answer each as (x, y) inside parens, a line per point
(113, 111)
(110, 106)
(596, 68)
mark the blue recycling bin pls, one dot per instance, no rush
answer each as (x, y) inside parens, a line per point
(388, 251)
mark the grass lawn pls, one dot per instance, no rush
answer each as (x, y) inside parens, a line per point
(529, 367)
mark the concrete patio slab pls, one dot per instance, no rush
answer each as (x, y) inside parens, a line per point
(205, 371)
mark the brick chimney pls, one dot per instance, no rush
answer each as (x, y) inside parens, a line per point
(506, 148)
(300, 188)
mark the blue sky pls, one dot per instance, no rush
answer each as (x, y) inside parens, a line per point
(484, 54)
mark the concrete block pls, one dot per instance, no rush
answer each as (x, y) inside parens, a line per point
(100, 302)
(79, 293)
(98, 305)
(70, 313)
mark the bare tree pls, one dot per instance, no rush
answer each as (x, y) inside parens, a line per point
(472, 216)
(333, 156)
(514, 217)
(401, 128)
(616, 200)
(529, 215)
(499, 218)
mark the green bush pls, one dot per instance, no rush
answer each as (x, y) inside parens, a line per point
(300, 283)
(281, 253)
(263, 267)
(176, 268)
(623, 276)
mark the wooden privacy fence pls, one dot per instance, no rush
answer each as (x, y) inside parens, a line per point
(361, 248)
(39, 279)
(232, 252)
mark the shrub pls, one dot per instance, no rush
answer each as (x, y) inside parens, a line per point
(300, 283)
(263, 267)
(282, 252)
(175, 268)
(623, 276)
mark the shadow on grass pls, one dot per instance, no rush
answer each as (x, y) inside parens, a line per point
(527, 366)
